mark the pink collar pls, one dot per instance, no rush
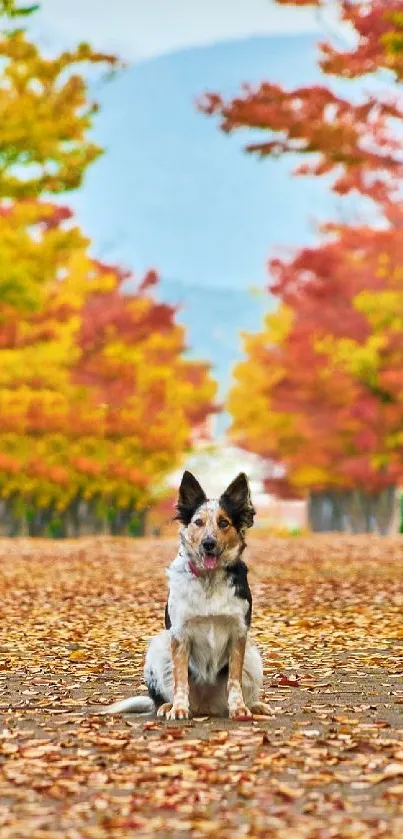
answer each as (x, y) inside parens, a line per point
(193, 569)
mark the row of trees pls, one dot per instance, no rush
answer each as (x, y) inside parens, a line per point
(321, 389)
(98, 400)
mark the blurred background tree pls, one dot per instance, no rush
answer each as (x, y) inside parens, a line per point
(98, 400)
(321, 389)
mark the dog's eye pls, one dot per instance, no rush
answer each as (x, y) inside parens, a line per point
(223, 524)
(199, 522)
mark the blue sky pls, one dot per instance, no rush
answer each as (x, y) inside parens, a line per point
(139, 29)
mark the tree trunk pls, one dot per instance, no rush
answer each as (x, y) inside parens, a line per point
(72, 519)
(383, 508)
(354, 511)
(325, 512)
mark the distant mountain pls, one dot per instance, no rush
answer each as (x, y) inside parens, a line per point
(214, 318)
(174, 193)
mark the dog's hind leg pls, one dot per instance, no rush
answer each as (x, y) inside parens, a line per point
(252, 683)
(158, 670)
(158, 677)
(252, 678)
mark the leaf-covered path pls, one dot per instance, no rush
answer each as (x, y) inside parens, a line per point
(75, 618)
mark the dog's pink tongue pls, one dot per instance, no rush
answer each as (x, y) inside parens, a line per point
(210, 561)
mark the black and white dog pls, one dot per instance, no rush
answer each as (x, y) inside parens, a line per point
(203, 662)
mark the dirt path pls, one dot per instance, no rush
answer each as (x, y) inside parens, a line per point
(75, 618)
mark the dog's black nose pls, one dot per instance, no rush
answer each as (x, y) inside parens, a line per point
(209, 545)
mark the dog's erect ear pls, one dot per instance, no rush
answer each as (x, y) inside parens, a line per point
(191, 496)
(236, 501)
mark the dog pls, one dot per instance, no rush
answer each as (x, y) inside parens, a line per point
(203, 663)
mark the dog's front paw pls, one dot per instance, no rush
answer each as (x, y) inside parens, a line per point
(239, 711)
(164, 709)
(175, 711)
(178, 711)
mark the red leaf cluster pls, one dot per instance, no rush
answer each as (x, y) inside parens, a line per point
(356, 142)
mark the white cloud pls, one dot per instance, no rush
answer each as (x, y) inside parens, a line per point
(139, 29)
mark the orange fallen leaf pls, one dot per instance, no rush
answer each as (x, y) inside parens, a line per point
(394, 792)
(285, 681)
(78, 655)
(290, 793)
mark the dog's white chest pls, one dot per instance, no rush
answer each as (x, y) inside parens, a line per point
(191, 599)
(209, 640)
(209, 618)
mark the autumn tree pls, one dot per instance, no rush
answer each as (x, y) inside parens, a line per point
(46, 115)
(324, 377)
(45, 118)
(320, 388)
(97, 402)
(355, 142)
(97, 398)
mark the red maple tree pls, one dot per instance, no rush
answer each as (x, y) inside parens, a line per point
(320, 389)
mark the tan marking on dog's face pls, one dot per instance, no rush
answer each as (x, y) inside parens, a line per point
(211, 522)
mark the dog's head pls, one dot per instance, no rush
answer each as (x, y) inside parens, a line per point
(213, 532)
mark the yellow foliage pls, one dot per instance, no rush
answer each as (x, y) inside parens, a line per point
(45, 116)
(68, 441)
(361, 360)
(383, 309)
(100, 414)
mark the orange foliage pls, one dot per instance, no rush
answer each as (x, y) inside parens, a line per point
(321, 388)
(97, 397)
(355, 142)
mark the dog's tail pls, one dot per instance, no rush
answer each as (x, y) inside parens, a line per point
(134, 705)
